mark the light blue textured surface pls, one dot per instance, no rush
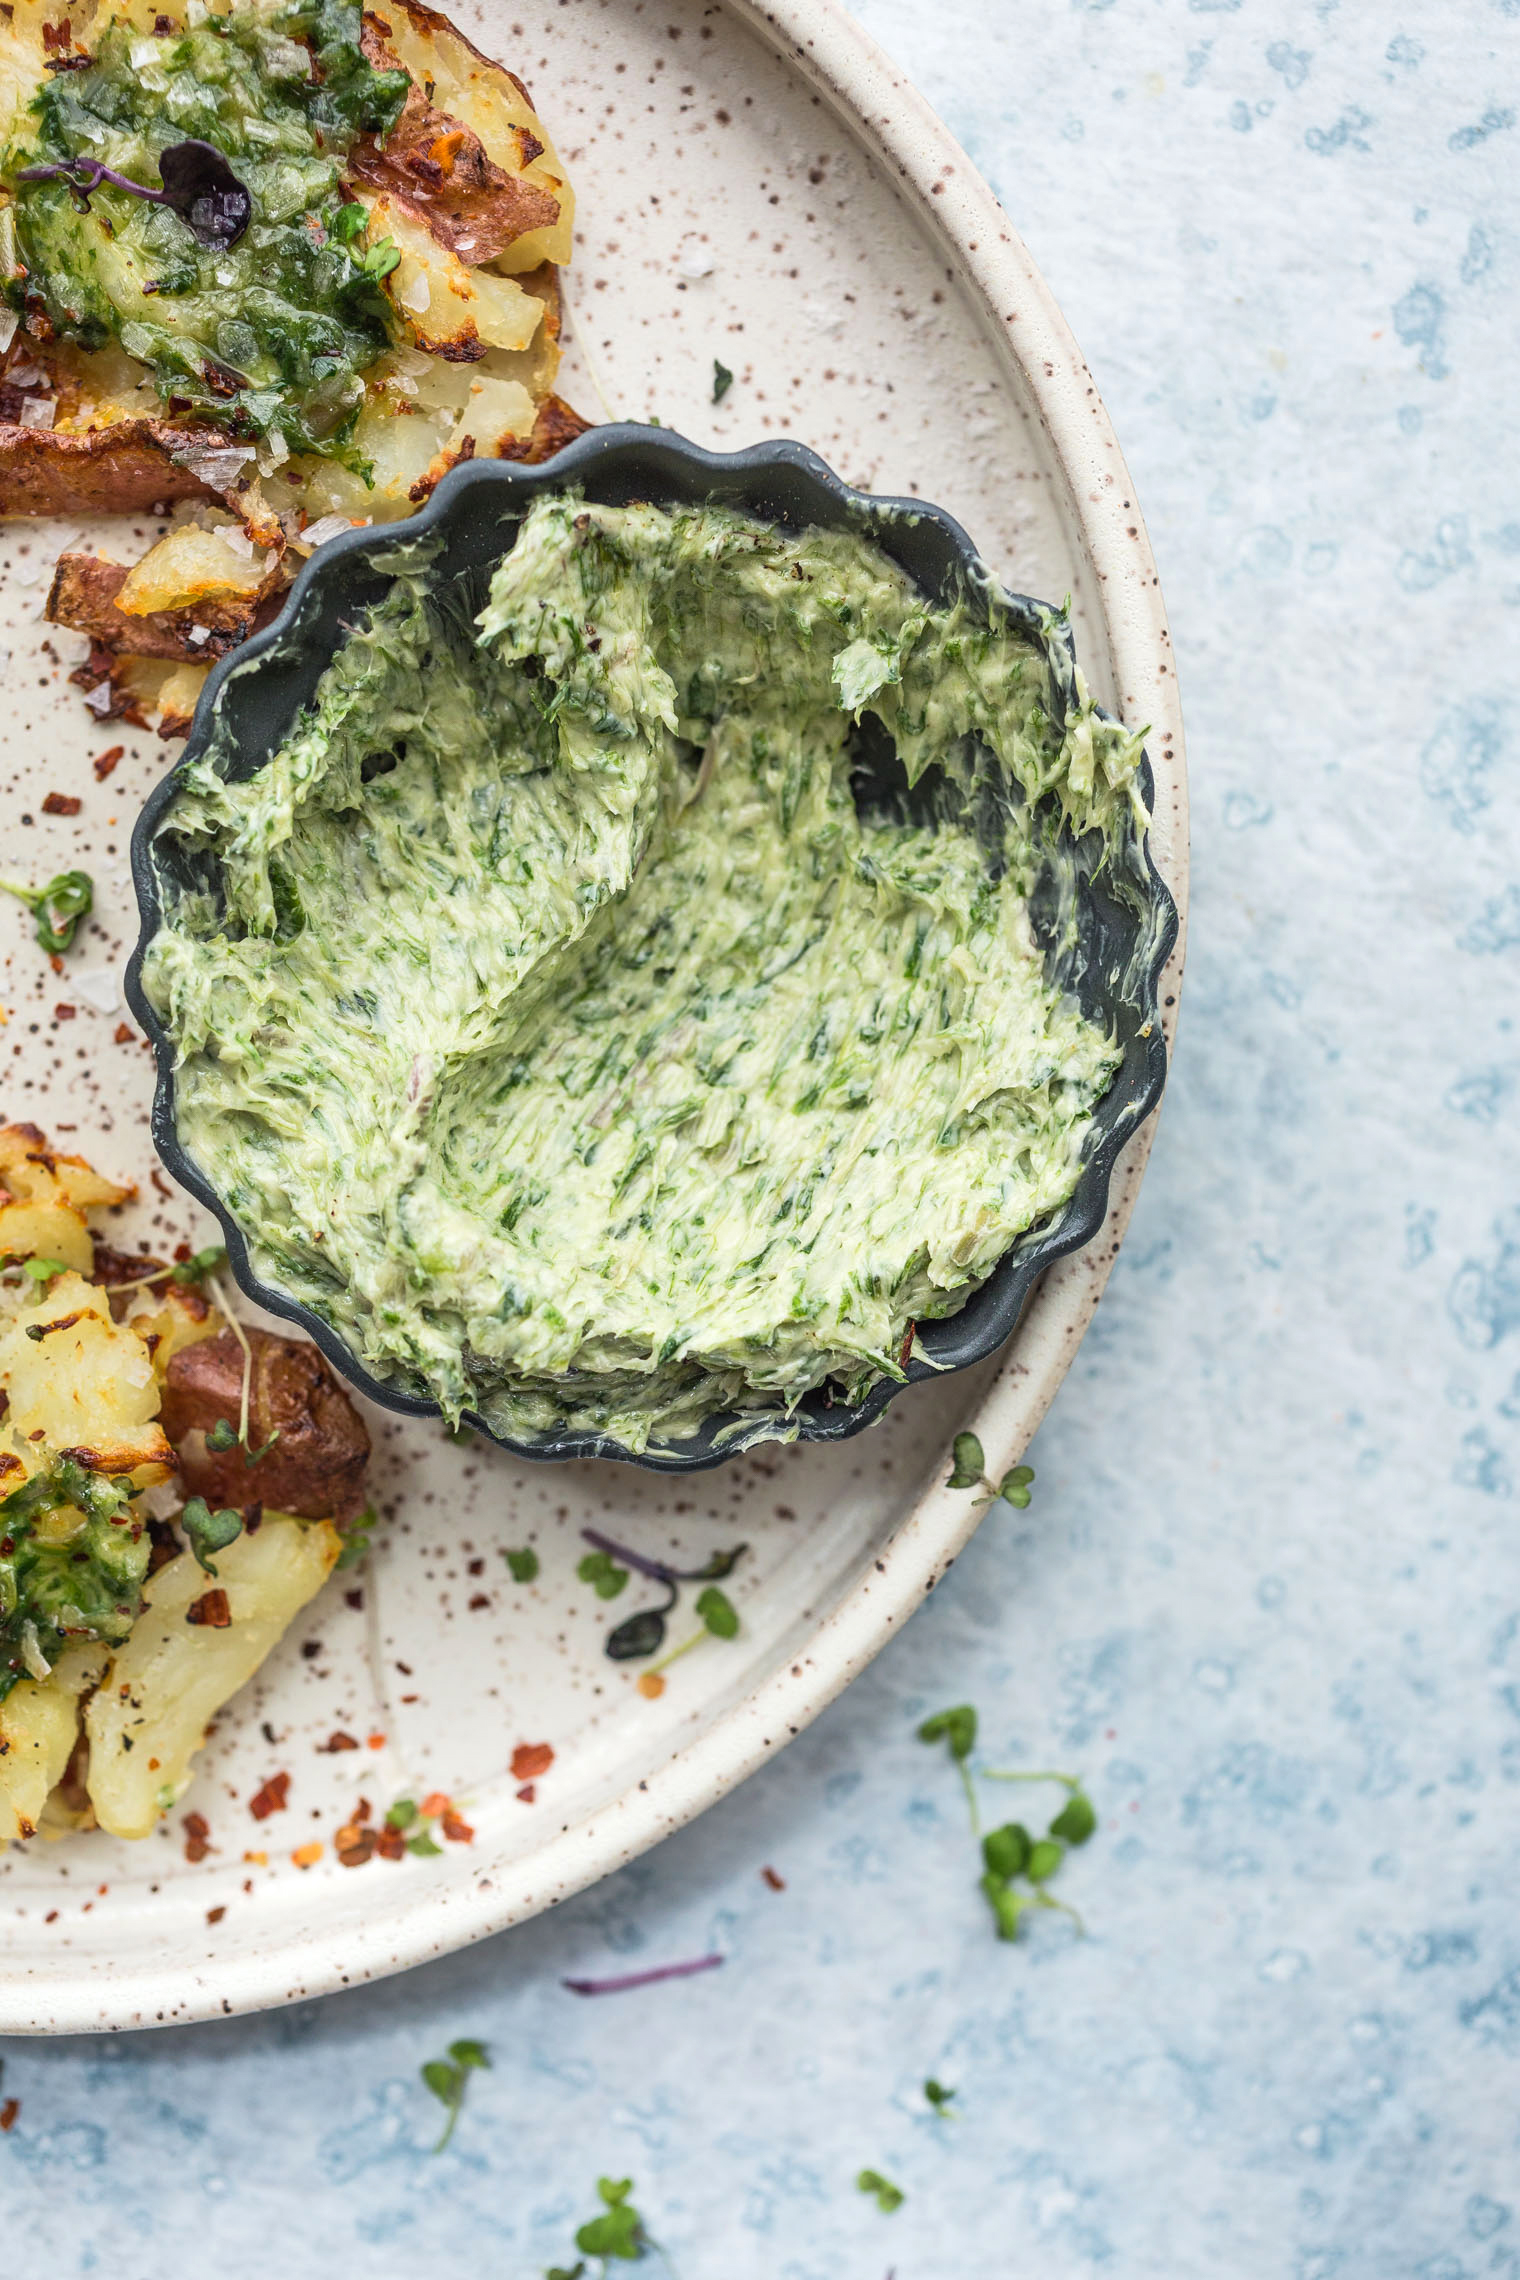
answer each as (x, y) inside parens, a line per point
(1268, 1594)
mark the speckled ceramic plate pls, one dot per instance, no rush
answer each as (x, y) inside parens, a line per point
(757, 186)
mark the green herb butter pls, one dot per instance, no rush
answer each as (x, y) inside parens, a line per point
(565, 1026)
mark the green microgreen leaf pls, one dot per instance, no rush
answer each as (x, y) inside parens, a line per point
(209, 1531)
(967, 1461)
(446, 2078)
(886, 2195)
(938, 2096)
(1013, 1488)
(1077, 1819)
(383, 256)
(425, 1847)
(402, 1814)
(957, 1727)
(195, 1270)
(42, 1271)
(222, 1435)
(723, 380)
(56, 908)
(619, 2230)
(1045, 1857)
(718, 1612)
(1006, 1851)
(356, 1537)
(1006, 1904)
(603, 1574)
(523, 1564)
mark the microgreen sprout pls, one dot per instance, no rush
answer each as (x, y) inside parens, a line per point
(42, 1272)
(643, 1634)
(618, 2229)
(1016, 1866)
(603, 1574)
(523, 1564)
(209, 1531)
(56, 908)
(356, 1538)
(958, 1728)
(197, 184)
(887, 2196)
(939, 2097)
(447, 2077)
(968, 1469)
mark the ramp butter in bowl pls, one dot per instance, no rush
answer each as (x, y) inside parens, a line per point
(654, 959)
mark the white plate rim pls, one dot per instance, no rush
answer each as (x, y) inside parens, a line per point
(859, 82)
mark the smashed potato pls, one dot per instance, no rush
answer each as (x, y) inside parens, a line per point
(466, 191)
(109, 1674)
(149, 1716)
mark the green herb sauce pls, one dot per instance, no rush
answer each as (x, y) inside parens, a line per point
(270, 335)
(88, 1586)
(564, 1032)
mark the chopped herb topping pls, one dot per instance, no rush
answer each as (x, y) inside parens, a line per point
(72, 1583)
(229, 282)
(356, 1535)
(723, 380)
(523, 1564)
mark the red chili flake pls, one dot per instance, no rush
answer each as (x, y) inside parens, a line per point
(197, 1836)
(776, 1883)
(362, 1810)
(61, 803)
(527, 1793)
(390, 1844)
(104, 762)
(55, 37)
(335, 1742)
(530, 1759)
(376, 1741)
(65, 1012)
(212, 1610)
(353, 1845)
(456, 1830)
(8, 2113)
(272, 1798)
(434, 1804)
(215, 1915)
(307, 1856)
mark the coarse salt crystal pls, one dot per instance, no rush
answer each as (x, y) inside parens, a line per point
(98, 989)
(417, 295)
(695, 260)
(37, 412)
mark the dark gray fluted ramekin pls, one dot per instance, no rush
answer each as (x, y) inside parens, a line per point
(1126, 921)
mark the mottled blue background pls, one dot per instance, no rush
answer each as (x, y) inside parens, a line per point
(1268, 1593)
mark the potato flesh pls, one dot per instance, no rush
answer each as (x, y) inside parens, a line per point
(39, 1725)
(169, 1679)
(483, 97)
(86, 1385)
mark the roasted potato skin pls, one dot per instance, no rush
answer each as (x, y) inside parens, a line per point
(125, 467)
(316, 1467)
(83, 597)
